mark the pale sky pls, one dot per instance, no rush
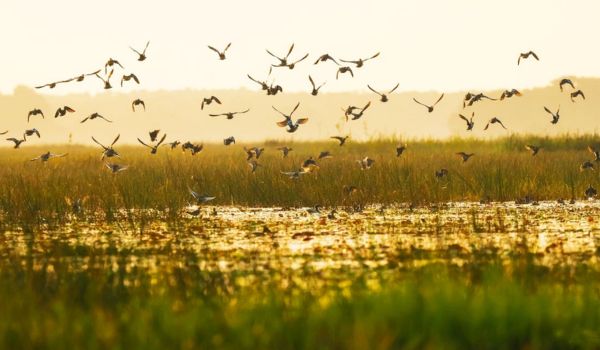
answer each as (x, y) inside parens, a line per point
(425, 44)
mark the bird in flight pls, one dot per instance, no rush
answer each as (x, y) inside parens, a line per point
(62, 111)
(575, 94)
(476, 98)
(509, 94)
(525, 55)
(566, 81)
(220, 53)
(200, 198)
(359, 114)
(115, 168)
(53, 84)
(283, 61)
(273, 90)
(229, 115)
(106, 81)
(141, 55)
(129, 77)
(429, 108)
(465, 156)
(47, 156)
(288, 122)
(295, 174)
(263, 84)
(326, 57)
(361, 61)
(228, 141)
(285, 150)
(384, 97)
(81, 77)
(34, 112)
(341, 139)
(153, 148)
(533, 149)
(173, 144)
(209, 100)
(470, 123)
(109, 151)
(342, 70)
(494, 120)
(31, 132)
(153, 134)
(400, 149)
(365, 163)
(253, 152)
(138, 102)
(94, 116)
(586, 165)
(325, 155)
(555, 116)
(17, 142)
(110, 63)
(315, 89)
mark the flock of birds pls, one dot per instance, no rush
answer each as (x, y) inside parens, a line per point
(291, 124)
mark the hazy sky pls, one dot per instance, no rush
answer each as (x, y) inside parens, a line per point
(425, 44)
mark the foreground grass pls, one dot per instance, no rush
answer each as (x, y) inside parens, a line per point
(501, 170)
(434, 307)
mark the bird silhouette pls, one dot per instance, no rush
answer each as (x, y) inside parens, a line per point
(47, 156)
(62, 111)
(341, 139)
(429, 108)
(465, 156)
(361, 61)
(555, 116)
(228, 141)
(106, 81)
(315, 89)
(288, 122)
(153, 148)
(110, 63)
(31, 132)
(220, 53)
(384, 97)
(141, 55)
(565, 81)
(357, 115)
(17, 142)
(494, 120)
(138, 102)
(342, 70)
(525, 55)
(470, 123)
(229, 115)
(94, 116)
(34, 112)
(209, 100)
(510, 93)
(285, 150)
(575, 94)
(129, 77)
(108, 152)
(326, 57)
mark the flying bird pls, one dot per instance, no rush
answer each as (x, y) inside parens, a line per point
(315, 89)
(384, 97)
(220, 53)
(173, 144)
(325, 155)
(429, 108)
(109, 151)
(34, 112)
(366, 163)
(326, 57)
(228, 141)
(31, 132)
(357, 115)
(128, 78)
(153, 134)
(47, 156)
(343, 70)
(525, 55)
(341, 140)
(200, 198)
(110, 63)
(494, 120)
(510, 93)
(555, 116)
(533, 149)
(285, 150)
(263, 84)
(106, 81)
(273, 90)
(141, 55)
(283, 61)
(229, 115)
(587, 165)
(566, 81)
(17, 142)
(470, 123)
(400, 150)
(465, 156)
(574, 95)
(138, 102)
(361, 61)
(209, 100)
(288, 122)
(153, 148)
(62, 111)
(476, 98)
(94, 116)
(253, 152)
(116, 168)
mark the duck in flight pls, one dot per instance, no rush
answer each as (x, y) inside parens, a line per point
(494, 120)
(200, 198)
(555, 116)
(207, 101)
(53, 84)
(138, 102)
(341, 139)
(253, 152)
(17, 142)
(110, 63)
(476, 98)
(47, 156)
(384, 97)
(129, 77)
(115, 168)
(94, 116)
(326, 57)
(342, 70)
(109, 151)
(228, 141)
(357, 115)
(315, 89)
(173, 144)
(229, 115)
(509, 94)
(525, 55)
(34, 112)
(429, 108)
(288, 122)
(31, 132)
(153, 148)
(285, 150)
(273, 90)
(565, 81)
(465, 156)
(220, 53)
(141, 55)
(361, 61)
(263, 84)
(400, 150)
(283, 61)
(365, 163)
(470, 123)
(575, 94)
(81, 77)
(62, 111)
(533, 149)
(106, 81)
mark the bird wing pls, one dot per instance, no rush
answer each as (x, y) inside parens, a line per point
(547, 110)
(242, 112)
(302, 121)
(100, 116)
(135, 78)
(290, 51)
(85, 119)
(134, 50)
(215, 50)
(146, 48)
(161, 140)
(272, 54)
(101, 145)
(499, 122)
(282, 123)
(116, 139)
(375, 91)
(311, 82)
(226, 47)
(439, 99)
(295, 108)
(534, 55)
(394, 89)
(366, 106)
(217, 115)
(421, 103)
(463, 118)
(143, 143)
(487, 126)
(214, 98)
(302, 59)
